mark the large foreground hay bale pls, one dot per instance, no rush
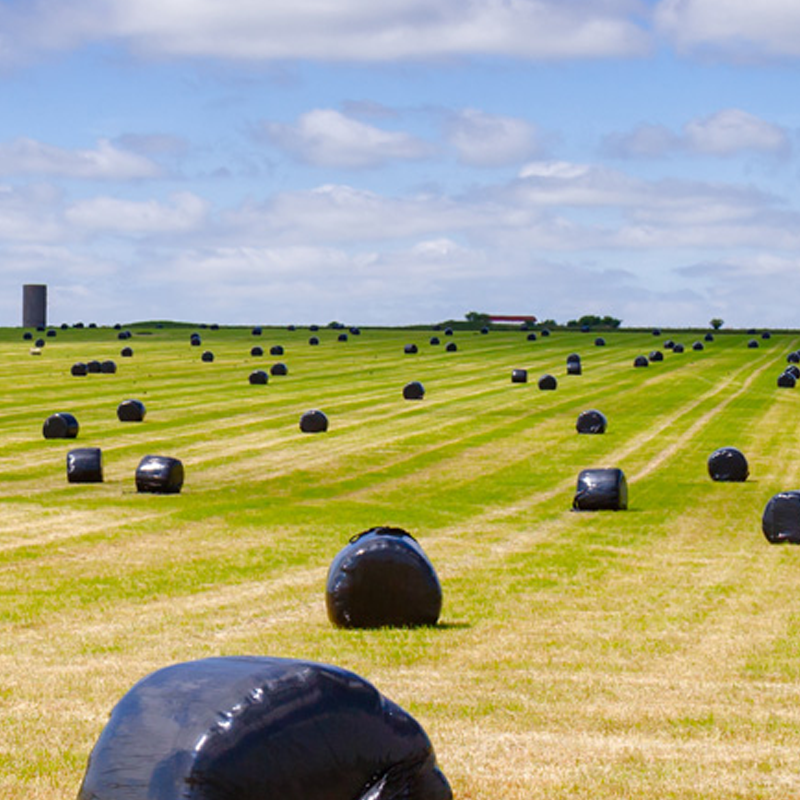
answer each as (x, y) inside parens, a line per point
(313, 421)
(781, 520)
(591, 421)
(382, 577)
(260, 728)
(85, 465)
(159, 475)
(131, 411)
(413, 390)
(728, 464)
(60, 425)
(601, 490)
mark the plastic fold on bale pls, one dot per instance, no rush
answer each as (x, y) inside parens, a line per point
(85, 465)
(601, 490)
(131, 411)
(313, 421)
(259, 728)
(382, 578)
(60, 425)
(591, 421)
(159, 475)
(781, 520)
(413, 390)
(728, 464)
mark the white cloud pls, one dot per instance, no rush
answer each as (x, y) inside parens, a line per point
(106, 162)
(349, 30)
(737, 29)
(187, 212)
(490, 140)
(328, 138)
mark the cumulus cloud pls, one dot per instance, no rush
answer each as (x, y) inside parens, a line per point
(25, 156)
(349, 30)
(328, 138)
(728, 132)
(491, 140)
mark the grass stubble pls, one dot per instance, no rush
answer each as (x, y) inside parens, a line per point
(649, 653)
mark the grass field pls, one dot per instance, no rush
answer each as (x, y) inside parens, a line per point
(650, 653)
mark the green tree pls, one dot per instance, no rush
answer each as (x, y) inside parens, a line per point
(477, 318)
(717, 323)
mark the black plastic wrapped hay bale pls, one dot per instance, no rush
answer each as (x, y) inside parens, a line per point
(108, 367)
(39, 343)
(85, 465)
(27, 336)
(656, 331)
(591, 421)
(60, 425)
(548, 383)
(52, 334)
(342, 337)
(313, 340)
(601, 490)
(355, 331)
(279, 368)
(313, 421)
(545, 332)
(256, 351)
(260, 728)
(781, 520)
(207, 356)
(410, 349)
(276, 350)
(451, 347)
(573, 357)
(728, 464)
(126, 352)
(94, 366)
(531, 337)
(766, 335)
(382, 578)
(669, 344)
(753, 344)
(793, 369)
(519, 376)
(79, 369)
(599, 342)
(709, 337)
(656, 355)
(413, 390)
(793, 357)
(256, 331)
(484, 330)
(159, 475)
(259, 377)
(434, 340)
(698, 346)
(786, 380)
(448, 331)
(678, 348)
(574, 368)
(195, 340)
(640, 361)
(131, 411)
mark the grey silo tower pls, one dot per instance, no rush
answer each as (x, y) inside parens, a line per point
(34, 305)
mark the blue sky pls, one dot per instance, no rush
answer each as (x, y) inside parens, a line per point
(401, 162)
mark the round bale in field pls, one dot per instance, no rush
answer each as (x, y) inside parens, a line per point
(60, 425)
(85, 465)
(548, 383)
(256, 331)
(656, 355)
(276, 350)
(728, 464)
(599, 342)
(131, 411)
(591, 421)
(753, 344)
(434, 340)
(313, 340)
(382, 578)
(787, 380)
(94, 366)
(601, 490)
(451, 347)
(195, 340)
(414, 390)
(698, 346)
(766, 335)
(709, 337)
(279, 368)
(259, 377)
(159, 475)
(207, 356)
(410, 349)
(126, 352)
(781, 520)
(313, 421)
(574, 368)
(545, 332)
(108, 367)
(342, 337)
(573, 357)
(79, 369)
(678, 348)
(669, 344)
(27, 336)
(656, 331)
(640, 361)
(531, 337)
(256, 727)
(793, 357)
(519, 376)
(256, 351)
(793, 369)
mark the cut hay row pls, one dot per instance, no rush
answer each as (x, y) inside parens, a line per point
(648, 653)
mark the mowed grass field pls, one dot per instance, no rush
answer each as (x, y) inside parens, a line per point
(650, 653)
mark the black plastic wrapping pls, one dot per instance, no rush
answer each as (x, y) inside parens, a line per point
(655, 355)
(85, 465)
(342, 337)
(793, 357)
(787, 380)
(640, 361)
(60, 425)
(574, 368)
(548, 383)
(781, 520)
(279, 368)
(451, 347)
(410, 349)
(572, 357)
(698, 346)
(259, 377)
(126, 352)
(313, 340)
(382, 578)
(793, 369)
(108, 367)
(591, 421)
(669, 344)
(79, 369)
(709, 337)
(94, 366)
(256, 351)
(207, 356)
(413, 390)
(434, 340)
(313, 421)
(599, 342)
(728, 464)
(159, 475)
(258, 728)
(131, 411)
(531, 337)
(601, 490)
(753, 344)
(678, 348)
(276, 350)
(519, 376)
